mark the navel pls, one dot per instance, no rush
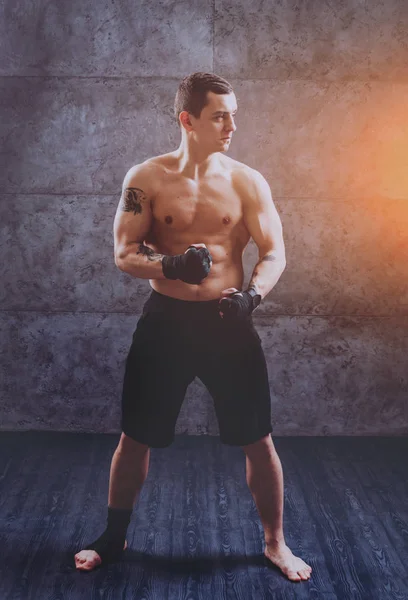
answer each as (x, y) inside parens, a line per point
(169, 220)
(226, 220)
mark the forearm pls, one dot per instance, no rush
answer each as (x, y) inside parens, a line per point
(141, 261)
(266, 274)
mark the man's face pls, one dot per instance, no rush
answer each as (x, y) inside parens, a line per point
(216, 122)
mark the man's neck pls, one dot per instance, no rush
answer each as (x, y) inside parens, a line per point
(197, 168)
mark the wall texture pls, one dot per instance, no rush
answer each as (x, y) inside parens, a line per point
(87, 90)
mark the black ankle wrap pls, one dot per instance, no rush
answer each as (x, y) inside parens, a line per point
(109, 548)
(110, 544)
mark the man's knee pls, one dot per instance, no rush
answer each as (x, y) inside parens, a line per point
(261, 447)
(128, 444)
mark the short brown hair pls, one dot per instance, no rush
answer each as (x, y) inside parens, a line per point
(192, 92)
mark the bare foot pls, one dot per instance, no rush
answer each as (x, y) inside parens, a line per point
(292, 566)
(86, 560)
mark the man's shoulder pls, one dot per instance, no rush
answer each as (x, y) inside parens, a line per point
(245, 171)
(145, 174)
(161, 161)
(150, 165)
(246, 176)
(253, 187)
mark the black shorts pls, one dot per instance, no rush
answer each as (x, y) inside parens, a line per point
(178, 340)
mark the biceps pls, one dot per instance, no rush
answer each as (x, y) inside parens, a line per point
(265, 228)
(133, 219)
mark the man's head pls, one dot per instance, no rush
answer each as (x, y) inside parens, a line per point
(204, 107)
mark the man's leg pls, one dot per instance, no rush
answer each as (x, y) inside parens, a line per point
(265, 480)
(129, 468)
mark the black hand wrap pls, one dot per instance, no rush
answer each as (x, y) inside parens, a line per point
(191, 267)
(237, 306)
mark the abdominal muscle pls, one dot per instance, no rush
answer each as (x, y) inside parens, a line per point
(224, 273)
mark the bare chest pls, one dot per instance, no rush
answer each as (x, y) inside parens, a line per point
(211, 208)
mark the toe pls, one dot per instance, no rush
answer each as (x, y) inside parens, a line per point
(294, 576)
(85, 562)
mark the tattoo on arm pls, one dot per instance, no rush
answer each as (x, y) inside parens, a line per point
(267, 258)
(132, 199)
(271, 257)
(252, 284)
(151, 254)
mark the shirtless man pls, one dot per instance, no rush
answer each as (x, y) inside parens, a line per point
(183, 222)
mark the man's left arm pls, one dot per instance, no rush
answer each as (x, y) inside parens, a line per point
(264, 225)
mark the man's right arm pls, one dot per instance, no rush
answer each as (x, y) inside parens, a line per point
(133, 221)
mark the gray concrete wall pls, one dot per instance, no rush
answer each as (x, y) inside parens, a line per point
(87, 90)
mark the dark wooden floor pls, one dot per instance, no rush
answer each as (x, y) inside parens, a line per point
(195, 532)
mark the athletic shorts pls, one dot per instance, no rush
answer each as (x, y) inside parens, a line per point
(178, 340)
